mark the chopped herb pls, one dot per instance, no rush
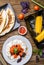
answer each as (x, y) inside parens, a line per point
(15, 50)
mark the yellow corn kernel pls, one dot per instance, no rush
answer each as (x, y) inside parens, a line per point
(38, 24)
(40, 37)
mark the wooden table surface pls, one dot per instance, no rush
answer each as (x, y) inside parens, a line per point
(17, 7)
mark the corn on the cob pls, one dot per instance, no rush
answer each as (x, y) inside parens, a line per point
(40, 37)
(38, 24)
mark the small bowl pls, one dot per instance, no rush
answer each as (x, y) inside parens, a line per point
(22, 30)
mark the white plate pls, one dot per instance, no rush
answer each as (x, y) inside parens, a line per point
(29, 51)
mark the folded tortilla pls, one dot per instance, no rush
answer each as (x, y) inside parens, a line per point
(11, 22)
(6, 21)
(2, 19)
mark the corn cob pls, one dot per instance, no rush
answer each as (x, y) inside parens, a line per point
(40, 37)
(38, 24)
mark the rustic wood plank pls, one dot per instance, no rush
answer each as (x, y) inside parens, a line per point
(2, 60)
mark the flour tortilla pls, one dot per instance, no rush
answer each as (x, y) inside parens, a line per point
(6, 21)
(2, 19)
(10, 22)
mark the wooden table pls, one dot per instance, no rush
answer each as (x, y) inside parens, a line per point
(17, 7)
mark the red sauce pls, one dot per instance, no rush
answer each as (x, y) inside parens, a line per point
(19, 51)
(22, 30)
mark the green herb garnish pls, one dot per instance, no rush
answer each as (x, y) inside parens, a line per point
(15, 50)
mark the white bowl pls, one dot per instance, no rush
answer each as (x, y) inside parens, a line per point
(19, 30)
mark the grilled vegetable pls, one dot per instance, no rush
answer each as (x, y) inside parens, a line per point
(40, 37)
(38, 24)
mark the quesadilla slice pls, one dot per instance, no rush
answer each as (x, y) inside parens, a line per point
(2, 19)
(11, 21)
(6, 21)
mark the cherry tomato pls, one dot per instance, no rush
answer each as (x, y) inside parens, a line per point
(36, 7)
(21, 16)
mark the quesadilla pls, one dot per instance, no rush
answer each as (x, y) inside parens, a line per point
(6, 21)
(2, 19)
(11, 21)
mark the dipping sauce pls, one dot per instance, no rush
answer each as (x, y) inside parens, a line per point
(22, 30)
